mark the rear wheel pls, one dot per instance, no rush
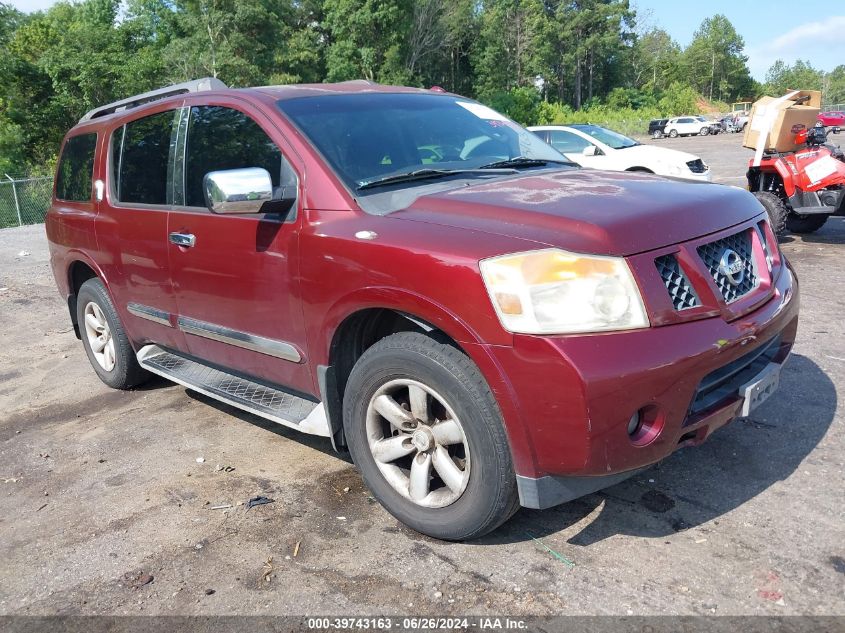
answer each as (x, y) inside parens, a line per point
(673, 133)
(805, 223)
(424, 430)
(104, 339)
(776, 209)
(657, 134)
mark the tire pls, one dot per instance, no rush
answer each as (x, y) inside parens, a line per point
(776, 210)
(445, 376)
(704, 131)
(805, 223)
(116, 364)
(657, 134)
(673, 133)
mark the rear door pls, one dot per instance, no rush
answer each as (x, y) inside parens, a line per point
(236, 285)
(132, 226)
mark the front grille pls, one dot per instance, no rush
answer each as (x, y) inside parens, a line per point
(697, 166)
(676, 282)
(712, 254)
(725, 382)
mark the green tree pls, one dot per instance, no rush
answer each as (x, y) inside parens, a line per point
(781, 78)
(834, 86)
(714, 63)
(367, 39)
(656, 60)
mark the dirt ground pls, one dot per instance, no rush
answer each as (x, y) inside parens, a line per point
(101, 489)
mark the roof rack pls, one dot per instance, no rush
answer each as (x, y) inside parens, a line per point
(197, 85)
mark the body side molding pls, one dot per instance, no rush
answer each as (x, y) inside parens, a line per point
(260, 344)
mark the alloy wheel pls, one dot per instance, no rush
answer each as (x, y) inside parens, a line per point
(99, 336)
(418, 443)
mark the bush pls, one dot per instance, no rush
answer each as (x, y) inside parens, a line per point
(679, 99)
(520, 104)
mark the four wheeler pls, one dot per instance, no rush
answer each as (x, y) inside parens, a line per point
(801, 189)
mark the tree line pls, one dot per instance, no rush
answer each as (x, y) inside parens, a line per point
(538, 60)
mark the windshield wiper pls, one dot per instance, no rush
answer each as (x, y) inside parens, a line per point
(423, 174)
(524, 161)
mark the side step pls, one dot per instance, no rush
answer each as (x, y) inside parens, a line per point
(267, 402)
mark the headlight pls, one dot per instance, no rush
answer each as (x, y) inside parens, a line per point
(556, 292)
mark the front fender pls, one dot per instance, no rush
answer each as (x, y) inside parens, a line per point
(482, 354)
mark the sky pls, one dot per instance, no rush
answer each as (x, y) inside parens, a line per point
(813, 30)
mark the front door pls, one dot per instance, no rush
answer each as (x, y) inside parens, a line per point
(235, 277)
(572, 146)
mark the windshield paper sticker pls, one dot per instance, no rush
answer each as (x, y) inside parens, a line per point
(482, 111)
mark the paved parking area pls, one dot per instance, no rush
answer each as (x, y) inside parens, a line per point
(101, 487)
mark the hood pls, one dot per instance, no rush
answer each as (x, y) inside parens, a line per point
(600, 212)
(652, 153)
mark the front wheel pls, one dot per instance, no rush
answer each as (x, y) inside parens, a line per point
(805, 223)
(704, 131)
(657, 134)
(673, 133)
(424, 429)
(776, 210)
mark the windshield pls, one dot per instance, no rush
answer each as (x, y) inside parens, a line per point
(608, 137)
(368, 136)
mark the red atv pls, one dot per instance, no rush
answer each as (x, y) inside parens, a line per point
(801, 189)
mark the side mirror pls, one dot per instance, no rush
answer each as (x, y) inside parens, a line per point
(237, 191)
(590, 150)
(836, 129)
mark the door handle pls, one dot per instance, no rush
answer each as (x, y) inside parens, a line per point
(183, 239)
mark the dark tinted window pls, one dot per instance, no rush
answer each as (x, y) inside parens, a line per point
(140, 152)
(222, 138)
(76, 169)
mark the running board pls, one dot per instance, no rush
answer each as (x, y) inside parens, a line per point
(271, 403)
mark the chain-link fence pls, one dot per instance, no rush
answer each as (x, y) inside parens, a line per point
(833, 107)
(24, 200)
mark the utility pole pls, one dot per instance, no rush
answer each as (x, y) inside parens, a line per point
(15, 194)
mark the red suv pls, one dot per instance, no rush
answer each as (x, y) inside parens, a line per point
(480, 323)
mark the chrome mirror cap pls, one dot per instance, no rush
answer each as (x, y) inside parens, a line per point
(236, 191)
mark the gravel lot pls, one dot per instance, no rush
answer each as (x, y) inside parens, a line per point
(101, 486)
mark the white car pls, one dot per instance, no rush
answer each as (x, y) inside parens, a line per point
(600, 148)
(687, 126)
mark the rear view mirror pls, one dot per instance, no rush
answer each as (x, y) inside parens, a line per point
(237, 191)
(590, 150)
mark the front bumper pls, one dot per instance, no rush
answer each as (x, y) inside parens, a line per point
(575, 394)
(705, 176)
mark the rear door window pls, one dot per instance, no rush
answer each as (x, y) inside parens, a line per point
(76, 169)
(223, 138)
(141, 152)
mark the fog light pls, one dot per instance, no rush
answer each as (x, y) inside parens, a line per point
(634, 423)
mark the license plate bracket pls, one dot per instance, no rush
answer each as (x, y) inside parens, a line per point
(760, 388)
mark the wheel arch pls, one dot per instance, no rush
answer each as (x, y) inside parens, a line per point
(358, 328)
(355, 333)
(79, 270)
